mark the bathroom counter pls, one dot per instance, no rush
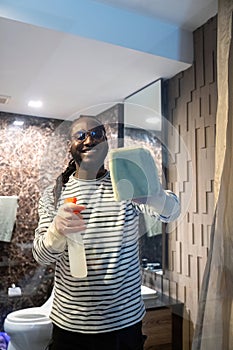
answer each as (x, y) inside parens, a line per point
(162, 300)
(163, 323)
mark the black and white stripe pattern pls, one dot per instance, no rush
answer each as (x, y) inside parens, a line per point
(109, 298)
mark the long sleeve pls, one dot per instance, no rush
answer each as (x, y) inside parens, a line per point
(48, 244)
(165, 207)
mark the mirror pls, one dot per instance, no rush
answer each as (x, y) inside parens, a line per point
(143, 127)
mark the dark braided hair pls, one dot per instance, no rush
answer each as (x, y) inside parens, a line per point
(63, 178)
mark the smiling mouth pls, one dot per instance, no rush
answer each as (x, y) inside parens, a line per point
(87, 151)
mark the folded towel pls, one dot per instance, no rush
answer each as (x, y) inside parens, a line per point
(8, 210)
(133, 173)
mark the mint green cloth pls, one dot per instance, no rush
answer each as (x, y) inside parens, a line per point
(133, 173)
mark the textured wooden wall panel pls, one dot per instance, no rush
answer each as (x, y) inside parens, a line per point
(192, 97)
(199, 57)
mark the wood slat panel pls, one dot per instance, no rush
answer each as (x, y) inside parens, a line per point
(192, 105)
(195, 112)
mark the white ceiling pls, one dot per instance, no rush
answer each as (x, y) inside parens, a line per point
(72, 74)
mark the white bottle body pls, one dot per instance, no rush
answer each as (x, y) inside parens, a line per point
(77, 256)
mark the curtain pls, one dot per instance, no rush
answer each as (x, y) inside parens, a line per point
(214, 326)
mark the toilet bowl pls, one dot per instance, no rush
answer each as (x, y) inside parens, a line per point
(29, 329)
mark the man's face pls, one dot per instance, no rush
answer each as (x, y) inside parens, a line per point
(89, 145)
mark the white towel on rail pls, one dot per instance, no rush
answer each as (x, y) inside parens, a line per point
(8, 210)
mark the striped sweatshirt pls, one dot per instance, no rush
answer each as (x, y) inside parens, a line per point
(109, 298)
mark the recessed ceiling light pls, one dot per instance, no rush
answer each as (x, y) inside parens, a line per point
(4, 99)
(18, 122)
(35, 104)
(153, 120)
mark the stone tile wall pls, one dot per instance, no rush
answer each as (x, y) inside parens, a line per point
(31, 156)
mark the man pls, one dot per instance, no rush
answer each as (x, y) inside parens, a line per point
(104, 309)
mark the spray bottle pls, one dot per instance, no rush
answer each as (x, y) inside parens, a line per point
(76, 250)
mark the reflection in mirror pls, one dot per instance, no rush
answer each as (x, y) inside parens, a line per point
(142, 127)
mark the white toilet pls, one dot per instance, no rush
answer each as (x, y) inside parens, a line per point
(30, 329)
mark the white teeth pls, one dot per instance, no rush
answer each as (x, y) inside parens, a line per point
(89, 150)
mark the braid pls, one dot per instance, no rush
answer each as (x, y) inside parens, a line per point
(62, 179)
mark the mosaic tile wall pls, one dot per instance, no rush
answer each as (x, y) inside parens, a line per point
(31, 156)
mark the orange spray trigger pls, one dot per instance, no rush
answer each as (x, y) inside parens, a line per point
(72, 200)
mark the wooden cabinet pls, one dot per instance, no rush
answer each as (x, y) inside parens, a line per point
(163, 323)
(157, 326)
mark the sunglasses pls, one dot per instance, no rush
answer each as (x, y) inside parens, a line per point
(81, 135)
